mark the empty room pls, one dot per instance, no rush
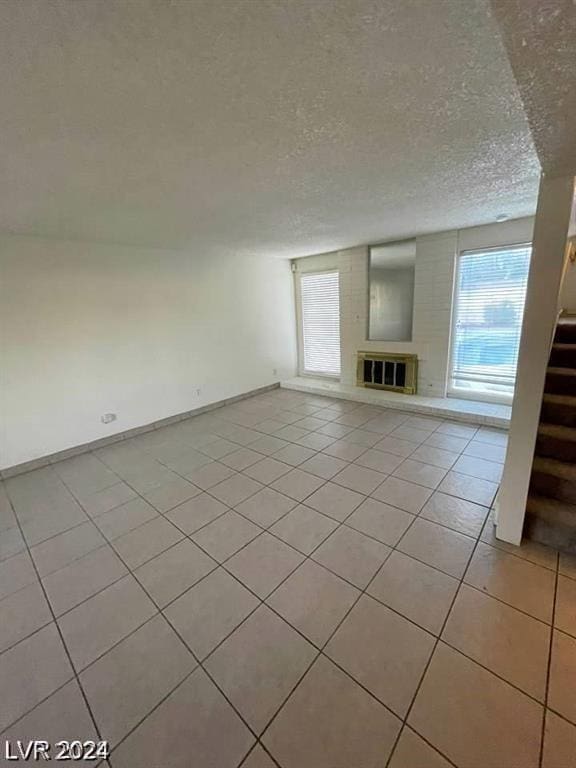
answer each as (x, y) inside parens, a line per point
(288, 383)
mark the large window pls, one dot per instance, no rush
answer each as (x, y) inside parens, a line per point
(320, 323)
(487, 321)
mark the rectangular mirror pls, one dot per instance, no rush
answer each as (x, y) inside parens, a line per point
(391, 290)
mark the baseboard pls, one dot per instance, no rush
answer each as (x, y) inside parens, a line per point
(52, 458)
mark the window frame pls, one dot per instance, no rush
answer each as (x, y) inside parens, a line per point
(455, 392)
(298, 274)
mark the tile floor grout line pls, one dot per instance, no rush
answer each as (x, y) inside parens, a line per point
(75, 559)
(361, 593)
(298, 465)
(58, 630)
(435, 646)
(159, 612)
(263, 602)
(531, 696)
(561, 716)
(53, 536)
(382, 410)
(229, 508)
(564, 632)
(282, 618)
(307, 557)
(64, 613)
(200, 663)
(503, 602)
(297, 502)
(36, 706)
(321, 649)
(258, 743)
(549, 663)
(189, 536)
(439, 639)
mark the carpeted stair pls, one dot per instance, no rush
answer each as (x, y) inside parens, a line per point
(551, 506)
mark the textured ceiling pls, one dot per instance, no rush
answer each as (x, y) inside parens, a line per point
(540, 38)
(257, 126)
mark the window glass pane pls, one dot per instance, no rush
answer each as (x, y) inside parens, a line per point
(489, 306)
(320, 296)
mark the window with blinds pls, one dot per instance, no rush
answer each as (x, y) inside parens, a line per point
(320, 313)
(487, 321)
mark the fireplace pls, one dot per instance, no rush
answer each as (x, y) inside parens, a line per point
(380, 370)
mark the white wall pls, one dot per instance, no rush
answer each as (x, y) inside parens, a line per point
(568, 291)
(87, 329)
(433, 289)
(540, 316)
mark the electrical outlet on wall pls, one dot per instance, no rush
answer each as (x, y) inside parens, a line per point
(274, 371)
(107, 418)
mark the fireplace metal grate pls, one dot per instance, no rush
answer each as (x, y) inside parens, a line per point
(395, 372)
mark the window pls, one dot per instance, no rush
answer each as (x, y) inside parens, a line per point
(320, 323)
(487, 321)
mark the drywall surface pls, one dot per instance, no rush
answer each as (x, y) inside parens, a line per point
(89, 329)
(433, 291)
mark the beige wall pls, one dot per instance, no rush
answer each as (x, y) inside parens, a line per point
(434, 279)
(89, 329)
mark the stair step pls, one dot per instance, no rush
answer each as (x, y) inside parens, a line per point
(565, 330)
(558, 431)
(559, 409)
(560, 381)
(557, 468)
(555, 479)
(556, 442)
(551, 522)
(563, 355)
(567, 401)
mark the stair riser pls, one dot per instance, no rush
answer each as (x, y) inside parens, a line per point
(556, 448)
(553, 486)
(556, 413)
(551, 533)
(565, 334)
(563, 358)
(560, 384)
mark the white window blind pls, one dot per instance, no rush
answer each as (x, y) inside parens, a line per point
(489, 306)
(320, 303)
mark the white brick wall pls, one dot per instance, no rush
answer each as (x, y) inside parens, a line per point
(434, 278)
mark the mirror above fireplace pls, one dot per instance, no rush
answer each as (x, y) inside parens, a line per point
(391, 290)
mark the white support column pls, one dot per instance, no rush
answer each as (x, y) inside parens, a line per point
(549, 243)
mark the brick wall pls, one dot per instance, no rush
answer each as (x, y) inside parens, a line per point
(433, 288)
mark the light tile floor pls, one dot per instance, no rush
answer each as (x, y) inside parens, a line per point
(291, 581)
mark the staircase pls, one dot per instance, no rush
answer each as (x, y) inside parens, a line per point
(551, 505)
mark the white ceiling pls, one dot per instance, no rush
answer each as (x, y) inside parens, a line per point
(278, 127)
